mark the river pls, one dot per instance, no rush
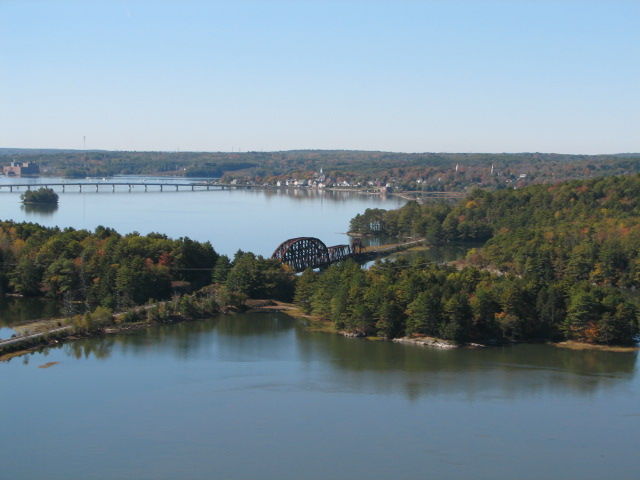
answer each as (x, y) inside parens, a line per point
(258, 396)
(251, 220)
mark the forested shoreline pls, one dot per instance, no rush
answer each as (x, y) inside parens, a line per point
(565, 258)
(103, 268)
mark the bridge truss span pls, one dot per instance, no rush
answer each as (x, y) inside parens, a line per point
(338, 253)
(309, 252)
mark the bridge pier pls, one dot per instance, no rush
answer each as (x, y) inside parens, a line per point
(97, 187)
(10, 188)
(193, 187)
(145, 188)
(80, 185)
(176, 188)
(161, 187)
(113, 187)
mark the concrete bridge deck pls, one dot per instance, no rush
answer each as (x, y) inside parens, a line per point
(98, 186)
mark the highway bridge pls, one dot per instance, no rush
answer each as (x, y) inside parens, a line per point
(97, 186)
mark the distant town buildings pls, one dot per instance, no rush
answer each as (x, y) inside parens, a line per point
(18, 169)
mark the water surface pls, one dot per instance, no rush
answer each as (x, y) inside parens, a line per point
(257, 396)
(251, 220)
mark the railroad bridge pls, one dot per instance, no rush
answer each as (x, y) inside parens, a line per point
(309, 252)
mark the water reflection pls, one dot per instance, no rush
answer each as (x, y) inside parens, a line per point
(513, 371)
(236, 334)
(39, 209)
(334, 363)
(182, 340)
(17, 310)
(6, 332)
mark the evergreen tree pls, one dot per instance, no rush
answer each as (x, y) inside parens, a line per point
(424, 314)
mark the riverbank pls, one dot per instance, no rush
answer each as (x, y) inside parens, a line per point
(312, 322)
(42, 334)
(317, 324)
(573, 345)
(48, 337)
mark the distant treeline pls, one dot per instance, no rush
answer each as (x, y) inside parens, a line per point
(565, 257)
(418, 171)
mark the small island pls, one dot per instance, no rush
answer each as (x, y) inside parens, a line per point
(41, 196)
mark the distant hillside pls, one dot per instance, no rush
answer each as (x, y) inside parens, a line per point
(32, 151)
(407, 171)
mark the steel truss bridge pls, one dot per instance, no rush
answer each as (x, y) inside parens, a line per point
(308, 252)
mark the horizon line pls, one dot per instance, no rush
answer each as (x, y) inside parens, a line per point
(319, 150)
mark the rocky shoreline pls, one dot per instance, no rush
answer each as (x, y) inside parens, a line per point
(432, 342)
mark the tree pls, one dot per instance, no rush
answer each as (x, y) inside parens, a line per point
(583, 311)
(389, 320)
(243, 274)
(258, 277)
(424, 314)
(221, 269)
(26, 277)
(61, 277)
(193, 261)
(41, 195)
(304, 290)
(484, 307)
(619, 325)
(457, 318)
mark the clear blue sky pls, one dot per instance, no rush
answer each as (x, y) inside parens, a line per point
(456, 76)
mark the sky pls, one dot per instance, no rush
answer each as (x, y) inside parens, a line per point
(408, 76)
